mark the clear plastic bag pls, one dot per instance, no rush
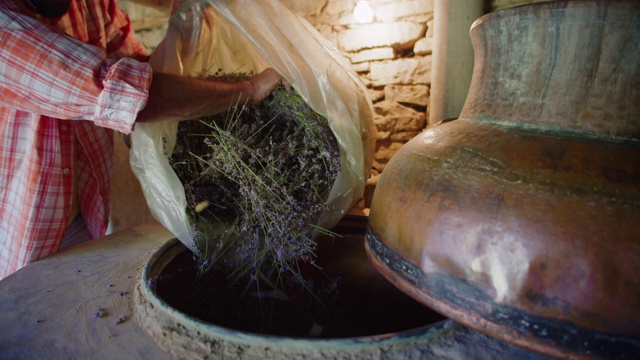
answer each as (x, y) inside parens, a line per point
(242, 36)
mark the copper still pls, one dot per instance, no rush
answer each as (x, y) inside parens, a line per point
(520, 218)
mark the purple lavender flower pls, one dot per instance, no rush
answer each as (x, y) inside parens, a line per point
(266, 170)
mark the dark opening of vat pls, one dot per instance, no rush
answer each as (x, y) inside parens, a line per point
(365, 303)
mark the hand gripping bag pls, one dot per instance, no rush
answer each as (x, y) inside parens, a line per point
(250, 35)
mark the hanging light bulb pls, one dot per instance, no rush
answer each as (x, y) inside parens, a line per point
(363, 12)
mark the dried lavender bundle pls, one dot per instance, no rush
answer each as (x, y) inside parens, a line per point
(265, 171)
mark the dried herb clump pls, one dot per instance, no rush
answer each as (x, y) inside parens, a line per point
(264, 171)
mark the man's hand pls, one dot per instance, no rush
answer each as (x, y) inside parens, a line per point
(263, 84)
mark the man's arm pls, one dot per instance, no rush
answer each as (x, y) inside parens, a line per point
(173, 97)
(46, 72)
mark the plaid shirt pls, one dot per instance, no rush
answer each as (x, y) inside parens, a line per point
(64, 87)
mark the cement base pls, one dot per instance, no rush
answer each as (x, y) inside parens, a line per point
(78, 304)
(51, 308)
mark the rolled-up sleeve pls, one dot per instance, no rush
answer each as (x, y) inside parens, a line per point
(44, 71)
(125, 92)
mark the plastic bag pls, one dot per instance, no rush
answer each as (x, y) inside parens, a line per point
(242, 36)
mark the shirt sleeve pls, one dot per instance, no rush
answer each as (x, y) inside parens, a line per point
(44, 71)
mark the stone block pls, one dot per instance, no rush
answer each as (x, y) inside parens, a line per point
(365, 80)
(407, 71)
(391, 116)
(376, 95)
(398, 35)
(364, 67)
(403, 136)
(377, 54)
(386, 149)
(410, 122)
(423, 46)
(407, 94)
(397, 10)
(384, 135)
(383, 124)
(378, 166)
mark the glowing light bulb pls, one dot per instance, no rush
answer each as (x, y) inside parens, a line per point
(363, 12)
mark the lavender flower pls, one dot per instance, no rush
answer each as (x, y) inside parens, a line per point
(265, 172)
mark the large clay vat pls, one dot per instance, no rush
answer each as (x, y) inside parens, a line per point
(520, 218)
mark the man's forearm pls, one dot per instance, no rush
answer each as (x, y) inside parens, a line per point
(173, 98)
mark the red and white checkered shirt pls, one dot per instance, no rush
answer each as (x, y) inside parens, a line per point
(82, 75)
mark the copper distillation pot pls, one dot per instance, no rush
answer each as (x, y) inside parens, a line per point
(520, 218)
